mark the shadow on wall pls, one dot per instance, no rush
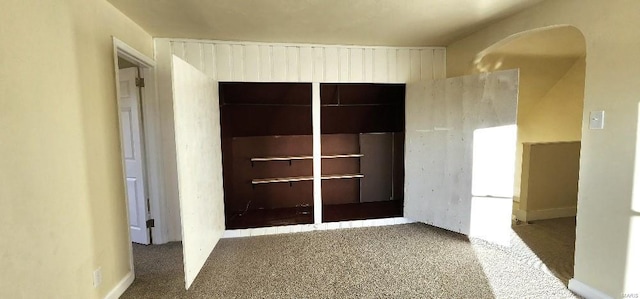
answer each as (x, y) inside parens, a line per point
(550, 104)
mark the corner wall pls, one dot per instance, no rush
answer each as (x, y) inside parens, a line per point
(62, 198)
(604, 243)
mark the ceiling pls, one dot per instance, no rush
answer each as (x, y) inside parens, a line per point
(344, 22)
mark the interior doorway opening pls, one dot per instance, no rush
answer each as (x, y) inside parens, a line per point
(140, 149)
(549, 130)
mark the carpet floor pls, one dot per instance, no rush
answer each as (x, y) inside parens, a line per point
(401, 261)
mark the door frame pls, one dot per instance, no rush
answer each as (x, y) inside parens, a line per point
(152, 139)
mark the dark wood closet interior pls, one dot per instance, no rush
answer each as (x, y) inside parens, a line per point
(267, 150)
(366, 121)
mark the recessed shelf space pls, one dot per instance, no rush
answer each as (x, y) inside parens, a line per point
(306, 178)
(264, 122)
(368, 119)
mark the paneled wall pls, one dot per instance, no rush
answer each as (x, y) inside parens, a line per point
(260, 62)
(254, 62)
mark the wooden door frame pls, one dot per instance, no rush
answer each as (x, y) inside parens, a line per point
(152, 138)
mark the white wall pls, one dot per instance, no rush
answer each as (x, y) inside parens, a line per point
(260, 62)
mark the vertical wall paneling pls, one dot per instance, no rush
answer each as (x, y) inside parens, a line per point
(177, 48)
(237, 63)
(403, 65)
(439, 70)
(265, 63)
(343, 63)
(279, 66)
(223, 61)
(251, 63)
(415, 65)
(368, 70)
(318, 64)
(426, 62)
(392, 58)
(193, 54)
(306, 64)
(332, 65)
(380, 65)
(170, 209)
(356, 56)
(208, 60)
(293, 64)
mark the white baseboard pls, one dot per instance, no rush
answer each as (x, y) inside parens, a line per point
(586, 291)
(533, 215)
(261, 231)
(122, 286)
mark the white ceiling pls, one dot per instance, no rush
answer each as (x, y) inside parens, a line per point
(345, 22)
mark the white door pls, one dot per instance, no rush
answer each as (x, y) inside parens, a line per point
(449, 123)
(196, 118)
(132, 147)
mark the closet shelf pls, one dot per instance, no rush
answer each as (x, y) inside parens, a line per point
(292, 158)
(306, 178)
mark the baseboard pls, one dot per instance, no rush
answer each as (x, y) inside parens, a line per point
(122, 286)
(533, 215)
(520, 215)
(586, 291)
(286, 229)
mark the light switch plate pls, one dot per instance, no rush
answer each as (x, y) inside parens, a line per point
(596, 120)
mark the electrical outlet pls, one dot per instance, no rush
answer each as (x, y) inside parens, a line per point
(97, 277)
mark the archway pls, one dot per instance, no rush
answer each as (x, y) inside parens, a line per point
(551, 61)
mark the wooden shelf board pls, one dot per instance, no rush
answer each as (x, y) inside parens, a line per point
(290, 158)
(306, 178)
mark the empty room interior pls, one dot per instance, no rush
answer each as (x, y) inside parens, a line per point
(319, 149)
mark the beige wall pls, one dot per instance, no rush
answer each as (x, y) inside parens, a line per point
(607, 156)
(62, 204)
(551, 180)
(551, 90)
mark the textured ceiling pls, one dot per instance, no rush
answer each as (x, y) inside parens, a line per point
(346, 22)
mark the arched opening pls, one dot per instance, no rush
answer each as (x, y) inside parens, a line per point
(551, 61)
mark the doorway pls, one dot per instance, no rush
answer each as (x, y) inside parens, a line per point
(140, 145)
(551, 62)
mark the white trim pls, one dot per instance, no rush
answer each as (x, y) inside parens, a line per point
(317, 152)
(549, 213)
(287, 229)
(152, 140)
(121, 286)
(586, 291)
(125, 51)
(214, 41)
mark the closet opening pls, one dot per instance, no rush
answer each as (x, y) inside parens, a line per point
(267, 150)
(362, 139)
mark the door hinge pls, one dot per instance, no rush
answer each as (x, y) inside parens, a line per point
(151, 223)
(140, 82)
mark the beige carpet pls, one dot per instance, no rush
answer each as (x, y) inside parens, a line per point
(402, 261)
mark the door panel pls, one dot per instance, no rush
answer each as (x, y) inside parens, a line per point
(442, 118)
(199, 161)
(132, 147)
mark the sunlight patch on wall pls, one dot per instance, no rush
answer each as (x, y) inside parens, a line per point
(494, 152)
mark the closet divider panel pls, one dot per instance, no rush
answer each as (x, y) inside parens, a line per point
(197, 131)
